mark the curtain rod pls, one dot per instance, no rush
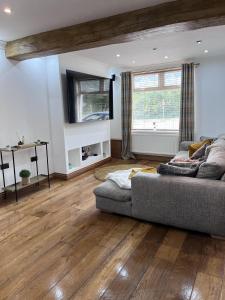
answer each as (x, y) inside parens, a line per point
(162, 70)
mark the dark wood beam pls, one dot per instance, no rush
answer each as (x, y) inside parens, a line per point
(180, 15)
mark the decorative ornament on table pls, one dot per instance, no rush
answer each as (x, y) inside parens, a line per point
(21, 139)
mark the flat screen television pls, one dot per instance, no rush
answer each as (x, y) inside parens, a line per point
(89, 97)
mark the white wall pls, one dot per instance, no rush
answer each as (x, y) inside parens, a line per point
(23, 108)
(77, 135)
(210, 97)
(32, 104)
(56, 113)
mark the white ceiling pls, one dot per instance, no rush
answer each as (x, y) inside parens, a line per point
(34, 16)
(179, 47)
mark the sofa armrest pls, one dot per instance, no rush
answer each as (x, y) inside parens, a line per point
(185, 144)
(191, 203)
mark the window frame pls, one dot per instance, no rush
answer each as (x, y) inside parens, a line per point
(161, 87)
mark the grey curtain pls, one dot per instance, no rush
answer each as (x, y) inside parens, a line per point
(126, 95)
(187, 103)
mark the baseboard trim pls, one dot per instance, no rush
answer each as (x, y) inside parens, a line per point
(81, 171)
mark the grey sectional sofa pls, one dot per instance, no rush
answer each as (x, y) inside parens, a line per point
(189, 203)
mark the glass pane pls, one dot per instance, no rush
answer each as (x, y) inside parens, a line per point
(90, 86)
(146, 81)
(158, 109)
(172, 78)
(106, 85)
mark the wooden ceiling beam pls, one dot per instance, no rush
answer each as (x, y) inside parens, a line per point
(180, 15)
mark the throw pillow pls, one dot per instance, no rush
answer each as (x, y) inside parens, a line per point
(165, 169)
(194, 147)
(203, 138)
(185, 164)
(200, 153)
(214, 167)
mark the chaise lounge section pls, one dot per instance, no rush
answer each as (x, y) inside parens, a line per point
(190, 203)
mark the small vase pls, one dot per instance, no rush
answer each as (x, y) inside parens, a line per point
(25, 180)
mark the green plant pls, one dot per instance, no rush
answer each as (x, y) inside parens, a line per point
(24, 173)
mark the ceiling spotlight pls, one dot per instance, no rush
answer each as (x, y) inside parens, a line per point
(166, 57)
(117, 55)
(7, 10)
(199, 42)
(206, 51)
(133, 61)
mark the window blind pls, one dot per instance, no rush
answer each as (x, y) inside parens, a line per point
(156, 100)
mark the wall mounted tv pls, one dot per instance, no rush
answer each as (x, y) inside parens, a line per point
(89, 98)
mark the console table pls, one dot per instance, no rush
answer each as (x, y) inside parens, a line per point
(34, 180)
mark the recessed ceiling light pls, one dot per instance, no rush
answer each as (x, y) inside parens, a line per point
(133, 61)
(206, 51)
(7, 10)
(166, 57)
(117, 55)
(199, 42)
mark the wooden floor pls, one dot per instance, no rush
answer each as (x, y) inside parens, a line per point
(56, 245)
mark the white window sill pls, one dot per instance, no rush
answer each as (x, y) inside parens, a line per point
(155, 132)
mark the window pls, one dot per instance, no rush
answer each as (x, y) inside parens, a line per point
(156, 100)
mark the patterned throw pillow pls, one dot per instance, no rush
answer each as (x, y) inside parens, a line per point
(200, 153)
(165, 169)
(194, 147)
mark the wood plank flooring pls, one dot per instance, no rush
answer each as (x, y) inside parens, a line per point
(54, 244)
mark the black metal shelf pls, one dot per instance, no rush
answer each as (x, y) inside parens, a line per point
(34, 180)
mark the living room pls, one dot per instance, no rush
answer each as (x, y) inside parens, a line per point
(112, 150)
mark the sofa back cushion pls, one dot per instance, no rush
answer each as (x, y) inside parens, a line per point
(214, 167)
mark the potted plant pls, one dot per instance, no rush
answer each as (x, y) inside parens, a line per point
(25, 175)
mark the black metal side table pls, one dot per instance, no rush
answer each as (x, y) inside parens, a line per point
(34, 180)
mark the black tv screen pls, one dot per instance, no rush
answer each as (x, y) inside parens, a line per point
(89, 97)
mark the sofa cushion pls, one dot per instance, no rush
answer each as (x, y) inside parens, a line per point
(165, 169)
(110, 190)
(220, 143)
(214, 167)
